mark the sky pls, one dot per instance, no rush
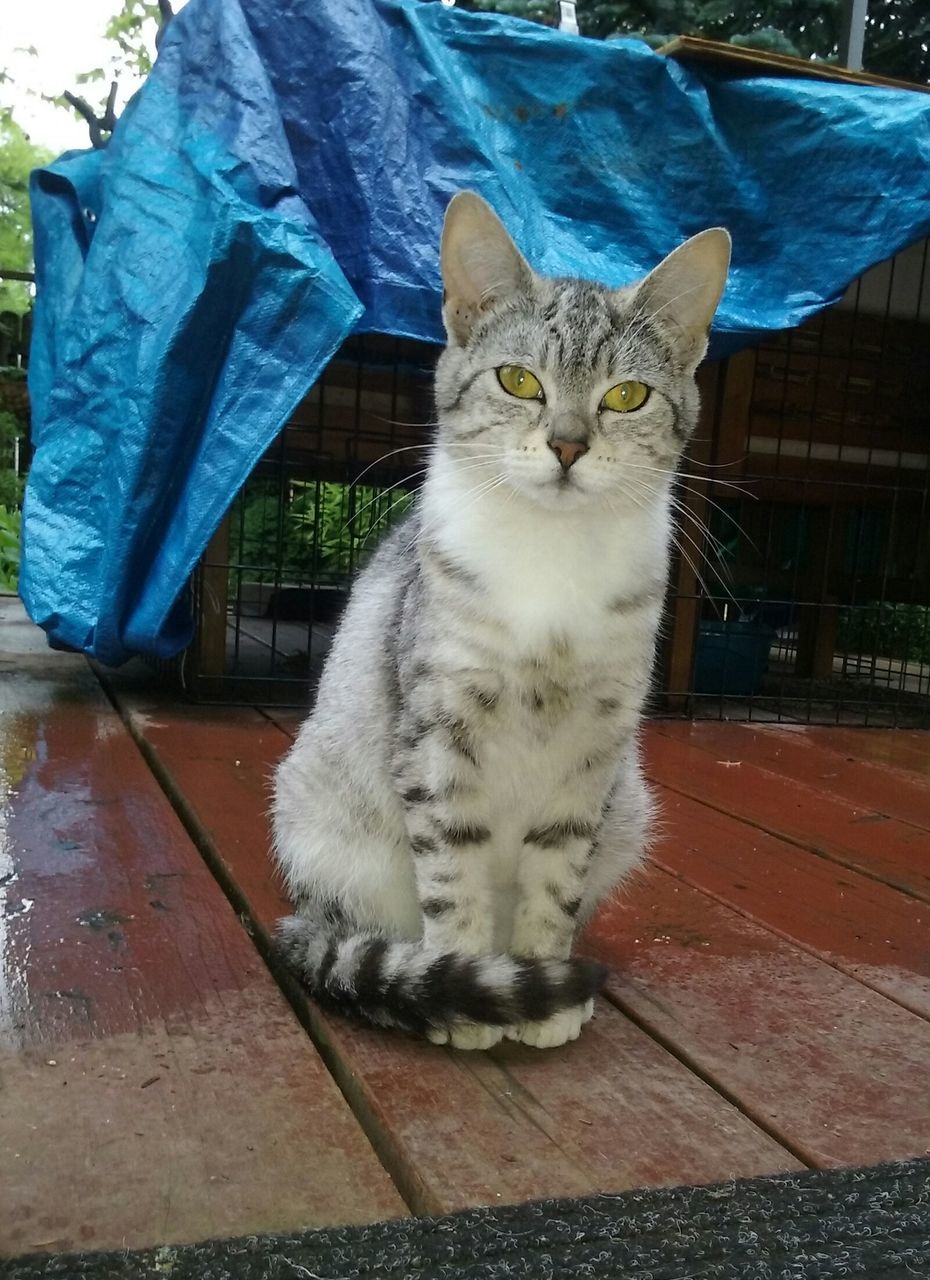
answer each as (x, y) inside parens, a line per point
(68, 36)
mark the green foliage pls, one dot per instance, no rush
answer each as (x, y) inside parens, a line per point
(769, 40)
(9, 549)
(897, 41)
(897, 36)
(11, 489)
(11, 485)
(18, 157)
(887, 630)
(318, 533)
(541, 11)
(10, 428)
(132, 30)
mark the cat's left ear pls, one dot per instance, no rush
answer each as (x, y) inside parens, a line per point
(683, 292)
(480, 263)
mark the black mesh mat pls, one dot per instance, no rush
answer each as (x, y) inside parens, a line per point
(871, 1222)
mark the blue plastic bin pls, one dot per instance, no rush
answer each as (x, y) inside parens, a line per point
(732, 657)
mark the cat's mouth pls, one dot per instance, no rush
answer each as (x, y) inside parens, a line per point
(567, 482)
(562, 489)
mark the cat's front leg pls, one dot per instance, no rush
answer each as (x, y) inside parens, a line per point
(553, 870)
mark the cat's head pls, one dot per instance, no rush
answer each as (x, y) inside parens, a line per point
(570, 391)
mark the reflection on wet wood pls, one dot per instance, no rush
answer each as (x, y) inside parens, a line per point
(612, 1111)
(155, 1085)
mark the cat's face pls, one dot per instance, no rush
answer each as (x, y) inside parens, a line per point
(568, 392)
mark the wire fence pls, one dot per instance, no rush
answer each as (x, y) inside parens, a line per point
(800, 590)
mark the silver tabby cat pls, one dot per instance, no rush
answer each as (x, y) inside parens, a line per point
(468, 787)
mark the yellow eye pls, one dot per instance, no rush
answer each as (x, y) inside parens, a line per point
(519, 382)
(625, 397)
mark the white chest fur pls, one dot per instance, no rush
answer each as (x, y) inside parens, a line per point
(548, 575)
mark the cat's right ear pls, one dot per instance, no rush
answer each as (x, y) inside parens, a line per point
(480, 263)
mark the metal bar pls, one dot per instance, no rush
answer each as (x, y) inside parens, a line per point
(852, 33)
(568, 18)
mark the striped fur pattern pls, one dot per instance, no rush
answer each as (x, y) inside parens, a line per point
(467, 788)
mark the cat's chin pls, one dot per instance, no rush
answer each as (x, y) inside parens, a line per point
(555, 493)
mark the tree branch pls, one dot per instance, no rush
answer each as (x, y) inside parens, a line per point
(97, 125)
(167, 13)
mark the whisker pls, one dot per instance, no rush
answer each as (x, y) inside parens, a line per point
(679, 476)
(638, 502)
(699, 551)
(468, 499)
(698, 493)
(473, 464)
(714, 466)
(425, 444)
(381, 519)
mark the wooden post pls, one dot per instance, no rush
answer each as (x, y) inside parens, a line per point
(817, 628)
(721, 436)
(685, 608)
(817, 622)
(733, 427)
(214, 601)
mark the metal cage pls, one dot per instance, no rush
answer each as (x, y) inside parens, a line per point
(276, 574)
(802, 585)
(800, 588)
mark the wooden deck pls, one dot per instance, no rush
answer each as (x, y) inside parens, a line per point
(159, 1082)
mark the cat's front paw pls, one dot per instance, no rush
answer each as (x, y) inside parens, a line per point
(558, 1029)
(467, 1035)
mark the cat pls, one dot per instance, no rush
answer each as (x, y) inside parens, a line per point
(467, 787)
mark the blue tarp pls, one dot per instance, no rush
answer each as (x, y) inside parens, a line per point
(281, 178)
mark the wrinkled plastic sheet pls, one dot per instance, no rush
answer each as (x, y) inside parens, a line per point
(281, 179)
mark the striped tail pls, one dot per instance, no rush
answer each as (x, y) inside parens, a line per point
(400, 984)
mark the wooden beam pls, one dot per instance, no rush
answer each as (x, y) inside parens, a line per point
(720, 440)
(214, 603)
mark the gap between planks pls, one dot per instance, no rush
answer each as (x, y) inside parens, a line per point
(828, 996)
(885, 849)
(798, 754)
(893, 967)
(136, 1007)
(729, 1141)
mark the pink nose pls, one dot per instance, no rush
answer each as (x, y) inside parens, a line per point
(568, 451)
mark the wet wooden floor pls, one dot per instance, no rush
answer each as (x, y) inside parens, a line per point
(769, 1005)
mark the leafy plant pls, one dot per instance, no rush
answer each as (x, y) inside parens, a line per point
(18, 156)
(132, 31)
(313, 531)
(896, 35)
(887, 630)
(11, 489)
(9, 549)
(11, 495)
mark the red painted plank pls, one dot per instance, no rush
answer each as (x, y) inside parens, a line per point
(885, 848)
(156, 1087)
(904, 749)
(736, 978)
(464, 1129)
(835, 1070)
(798, 754)
(867, 929)
(288, 719)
